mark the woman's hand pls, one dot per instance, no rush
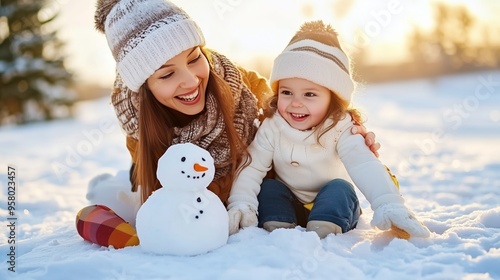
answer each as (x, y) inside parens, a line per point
(369, 138)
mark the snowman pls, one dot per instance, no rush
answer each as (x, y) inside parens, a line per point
(183, 217)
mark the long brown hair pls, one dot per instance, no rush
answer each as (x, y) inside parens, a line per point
(337, 109)
(156, 132)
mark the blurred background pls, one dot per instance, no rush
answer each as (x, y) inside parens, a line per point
(51, 56)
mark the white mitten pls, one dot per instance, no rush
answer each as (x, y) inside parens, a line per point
(395, 214)
(241, 215)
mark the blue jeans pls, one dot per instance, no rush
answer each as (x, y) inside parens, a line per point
(336, 202)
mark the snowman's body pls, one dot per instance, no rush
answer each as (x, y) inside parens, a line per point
(183, 217)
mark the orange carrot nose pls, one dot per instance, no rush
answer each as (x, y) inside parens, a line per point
(199, 168)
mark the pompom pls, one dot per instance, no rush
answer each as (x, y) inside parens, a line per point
(319, 31)
(103, 7)
(317, 26)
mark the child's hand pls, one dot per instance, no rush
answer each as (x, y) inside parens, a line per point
(241, 215)
(397, 215)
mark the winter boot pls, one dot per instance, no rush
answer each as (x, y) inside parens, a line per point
(272, 225)
(323, 228)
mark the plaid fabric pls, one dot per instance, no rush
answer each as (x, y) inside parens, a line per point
(100, 225)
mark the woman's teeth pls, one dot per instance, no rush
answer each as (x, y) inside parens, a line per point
(190, 97)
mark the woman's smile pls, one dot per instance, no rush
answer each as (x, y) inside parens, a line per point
(190, 97)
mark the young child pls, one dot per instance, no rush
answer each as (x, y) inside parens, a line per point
(307, 140)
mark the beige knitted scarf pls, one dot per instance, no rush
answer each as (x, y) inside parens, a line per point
(207, 130)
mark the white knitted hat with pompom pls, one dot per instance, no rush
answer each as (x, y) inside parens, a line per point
(144, 34)
(314, 54)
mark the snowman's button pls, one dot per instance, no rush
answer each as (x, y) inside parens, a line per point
(198, 199)
(196, 217)
(294, 163)
(201, 211)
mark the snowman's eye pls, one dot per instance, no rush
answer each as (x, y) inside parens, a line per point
(183, 159)
(203, 159)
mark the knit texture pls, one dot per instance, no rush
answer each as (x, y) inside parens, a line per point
(207, 131)
(100, 225)
(314, 54)
(144, 34)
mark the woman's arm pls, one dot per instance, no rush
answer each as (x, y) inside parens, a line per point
(257, 84)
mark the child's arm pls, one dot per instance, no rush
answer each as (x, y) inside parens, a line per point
(243, 203)
(369, 138)
(372, 178)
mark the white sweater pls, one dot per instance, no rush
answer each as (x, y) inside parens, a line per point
(306, 166)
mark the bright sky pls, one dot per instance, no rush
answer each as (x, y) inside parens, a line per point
(245, 30)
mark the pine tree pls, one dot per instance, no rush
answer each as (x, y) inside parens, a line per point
(33, 79)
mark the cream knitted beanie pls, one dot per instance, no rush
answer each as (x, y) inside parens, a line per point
(144, 34)
(314, 54)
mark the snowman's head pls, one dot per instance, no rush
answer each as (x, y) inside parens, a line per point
(185, 167)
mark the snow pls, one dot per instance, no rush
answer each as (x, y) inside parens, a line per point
(439, 136)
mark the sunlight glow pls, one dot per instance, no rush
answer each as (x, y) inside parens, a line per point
(254, 32)
(456, 163)
(495, 115)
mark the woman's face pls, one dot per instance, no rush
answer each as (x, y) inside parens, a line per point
(181, 82)
(302, 103)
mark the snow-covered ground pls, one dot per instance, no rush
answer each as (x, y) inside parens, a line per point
(440, 137)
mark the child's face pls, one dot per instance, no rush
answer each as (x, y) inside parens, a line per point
(181, 82)
(302, 103)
